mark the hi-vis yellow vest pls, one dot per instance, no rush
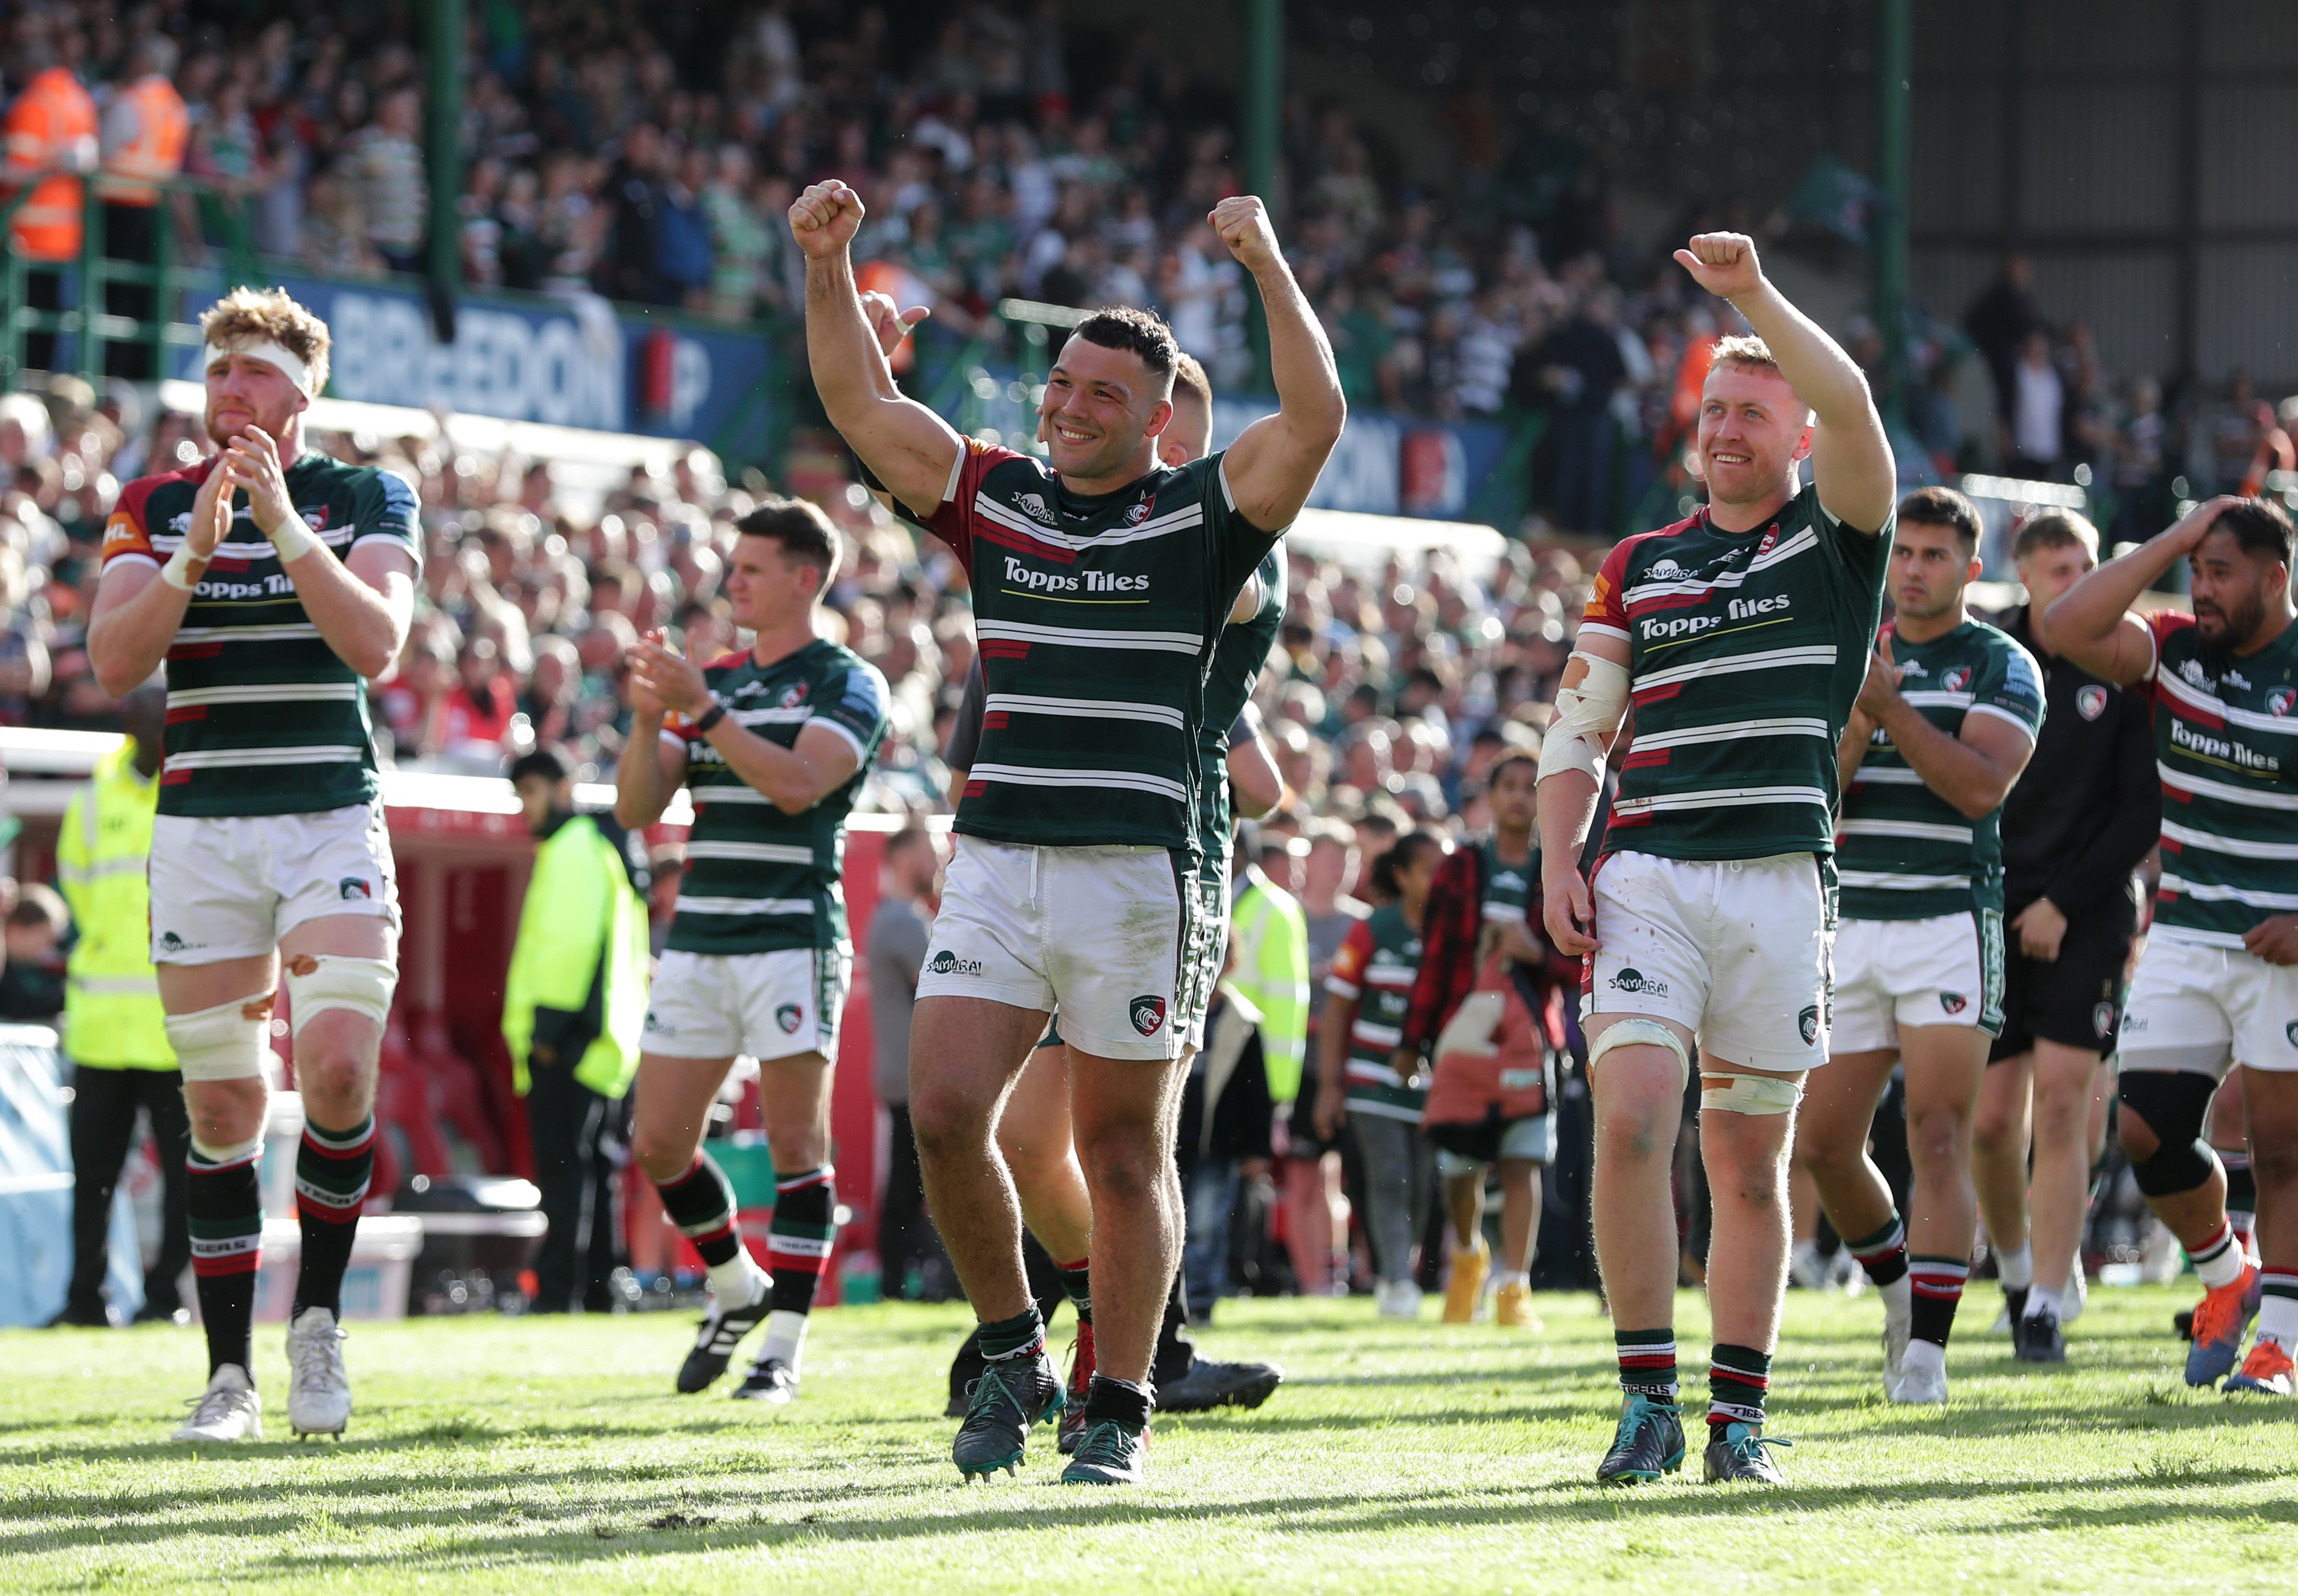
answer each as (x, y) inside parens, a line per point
(582, 922)
(112, 1018)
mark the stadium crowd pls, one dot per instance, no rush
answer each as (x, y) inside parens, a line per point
(650, 159)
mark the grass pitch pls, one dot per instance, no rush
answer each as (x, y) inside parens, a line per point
(524, 1455)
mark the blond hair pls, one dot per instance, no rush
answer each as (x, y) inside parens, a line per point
(1746, 351)
(1189, 378)
(252, 315)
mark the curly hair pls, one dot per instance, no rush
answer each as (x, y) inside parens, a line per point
(251, 314)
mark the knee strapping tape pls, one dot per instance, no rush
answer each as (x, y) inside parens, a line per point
(336, 982)
(1638, 1032)
(225, 1043)
(1752, 1095)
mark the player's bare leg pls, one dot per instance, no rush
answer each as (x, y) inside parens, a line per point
(2270, 1106)
(671, 1101)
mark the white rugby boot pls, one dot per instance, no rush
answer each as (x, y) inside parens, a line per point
(228, 1409)
(1922, 1374)
(318, 1391)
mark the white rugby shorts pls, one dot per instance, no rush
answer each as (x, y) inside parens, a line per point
(1102, 934)
(1734, 950)
(766, 1005)
(2192, 1006)
(229, 887)
(1946, 970)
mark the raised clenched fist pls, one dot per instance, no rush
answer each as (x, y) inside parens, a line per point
(1722, 263)
(826, 218)
(1243, 223)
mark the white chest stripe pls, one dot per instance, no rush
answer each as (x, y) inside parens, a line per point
(1088, 637)
(1791, 726)
(1016, 703)
(1770, 660)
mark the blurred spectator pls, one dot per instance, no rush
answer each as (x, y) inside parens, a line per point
(2000, 321)
(2038, 411)
(32, 983)
(895, 945)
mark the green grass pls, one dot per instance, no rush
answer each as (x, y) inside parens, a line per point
(510, 1455)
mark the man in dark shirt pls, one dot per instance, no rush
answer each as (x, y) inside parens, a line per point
(2074, 830)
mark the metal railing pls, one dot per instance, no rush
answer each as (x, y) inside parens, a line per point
(80, 315)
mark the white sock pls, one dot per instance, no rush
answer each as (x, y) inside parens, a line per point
(1923, 1354)
(739, 1282)
(2277, 1320)
(2221, 1263)
(785, 1337)
(2042, 1299)
(1520, 1277)
(2016, 1267)
(1898, 1298)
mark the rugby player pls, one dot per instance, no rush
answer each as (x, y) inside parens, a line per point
(2217, 983)
(2072, 839)
(1742, 636)
(1942, 729)
(1101, 584)
(274, 583)
(1033, 1130)
(773, 744)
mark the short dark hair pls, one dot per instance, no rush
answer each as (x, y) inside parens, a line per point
(800, 528)
(1943, 507)
(2259, 526)
(911, 835)
(1121, 326)
(1400, 856)
(548, 763)
(1513, 757)
(2054, 529)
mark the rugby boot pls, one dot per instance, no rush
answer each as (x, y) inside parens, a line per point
(1647, 1445)
(1210, 1384)
(1735, 1453)
(1110, 1453)
(319, 1390)
(2220, 1319)
(1922, 1376)
(722, 1329)
(1513, 1308)
(2039, 1339)
(1011, 1394)
(769, 1381)
(2267, 1371)
(228, 1409)
(1897, 1324)
(1466, 1284)
(1072, 1430)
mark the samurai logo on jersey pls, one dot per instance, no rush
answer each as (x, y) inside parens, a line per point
(1095, 626)
(1744, 650)
(1904, 852)
(2225, 754)
(263, 717)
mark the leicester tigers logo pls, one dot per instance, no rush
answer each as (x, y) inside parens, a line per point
(1958, 679)
(2280, 699)
(1148, 1015)
(1140, 512)
(2090, 702)
(793, 695)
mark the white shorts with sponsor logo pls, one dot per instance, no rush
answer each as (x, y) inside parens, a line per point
(767, 1005)
(2194, 1007)
(1735, 950)
(229, 887)
(1946, 970)
(1103, 934)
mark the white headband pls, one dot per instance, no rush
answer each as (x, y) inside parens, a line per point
(265, 349)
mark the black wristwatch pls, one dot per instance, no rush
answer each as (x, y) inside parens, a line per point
(710, 716)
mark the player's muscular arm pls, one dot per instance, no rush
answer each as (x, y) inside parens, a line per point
(1851, 462)
(793, 778)
(911, 448)
(1255, 784)
(1858, 734)
(643, 781)
(362, 604)
(1974, 772)
(2091, 623)
(136, 612)
(1274, 463)
(1567, 808)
